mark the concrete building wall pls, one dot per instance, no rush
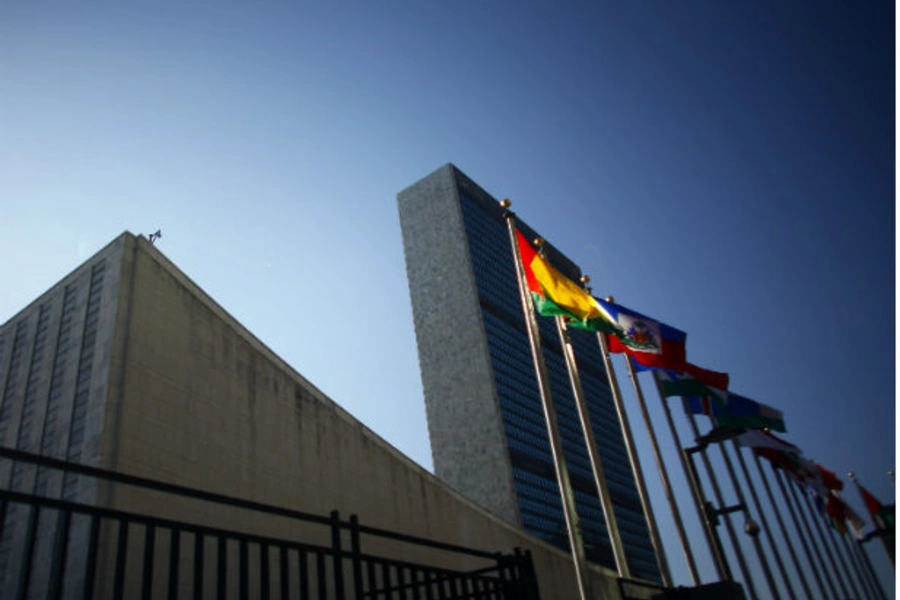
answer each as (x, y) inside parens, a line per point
(54, 369)
(195, 399)
(453, 356)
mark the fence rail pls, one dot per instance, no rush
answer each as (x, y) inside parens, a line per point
(66, 549)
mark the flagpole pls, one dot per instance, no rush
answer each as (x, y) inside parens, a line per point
(862, 581)
(612, 526)
(633, 458)
(663, 474)
(841, 557)
(712, 536)
(819, 526)
(801, 519)
(859, 553)
(853, 548)
(781, 526)
(559, 461)
(868, 564)
(809, 555)
(720, 499)
(887, 546)
(770, 580)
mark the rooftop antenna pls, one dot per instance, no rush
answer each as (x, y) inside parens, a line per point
(155, 236)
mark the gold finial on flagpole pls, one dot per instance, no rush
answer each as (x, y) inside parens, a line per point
(505, 203)
(609, 299)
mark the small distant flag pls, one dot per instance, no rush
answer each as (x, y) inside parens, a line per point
(691, 380)
(883, 519)
(731, 410)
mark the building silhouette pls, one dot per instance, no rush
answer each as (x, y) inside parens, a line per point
(127, 365)
(488, 434)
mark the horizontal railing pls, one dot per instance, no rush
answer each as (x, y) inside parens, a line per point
(65, 549)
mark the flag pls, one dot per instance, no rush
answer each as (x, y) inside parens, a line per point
(554, 294)
(841, 517)
(780, 453)
(690, 381)
(731, 410)
(829, 479)
(763, 439)
(650, 342)
(882, 518)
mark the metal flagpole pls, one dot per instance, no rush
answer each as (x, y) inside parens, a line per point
(888, 547)
(663, 474)
(800, 534)
(862, 580)
(609, 516)
(860, 558)
(845, 561)
(712, 536)
(543, 380)
(750, 527)
(778, 518)
(868, 564)
(720, 499)
(800, 517)
(636, 469)
(819, 526)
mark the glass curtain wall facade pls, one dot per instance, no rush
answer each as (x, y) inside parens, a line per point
(527, 444)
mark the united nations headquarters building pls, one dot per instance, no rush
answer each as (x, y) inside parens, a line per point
(152, 447)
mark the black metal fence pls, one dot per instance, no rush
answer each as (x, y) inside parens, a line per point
(66, 549)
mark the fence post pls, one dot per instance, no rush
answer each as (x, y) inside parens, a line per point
(337, 555)
(355, 548)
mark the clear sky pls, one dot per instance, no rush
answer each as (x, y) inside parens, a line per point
(726, 167)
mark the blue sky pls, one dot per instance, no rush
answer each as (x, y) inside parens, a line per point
(725, 167)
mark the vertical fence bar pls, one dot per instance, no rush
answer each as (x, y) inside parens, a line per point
(221, 566)
(243, 570)
(91, 560)
(303, 567)
(338, 570)
(121, 550)
(147, 575)
(198, 566)
(264, 571)
(416, 587)
(285, 588)
(386, 580)
(401, 582)
(174, 558)
(60, 547)
(28, 552)
(322, 583)
(356, 550)
(429, 587)
(372, 581)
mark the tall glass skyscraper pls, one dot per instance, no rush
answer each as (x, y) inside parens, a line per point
(486, 425)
